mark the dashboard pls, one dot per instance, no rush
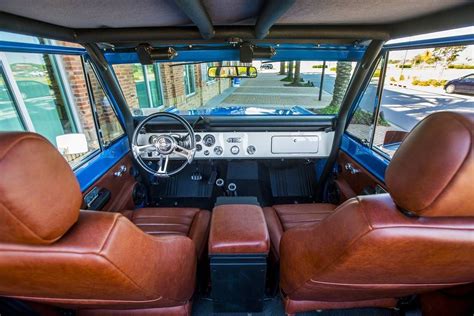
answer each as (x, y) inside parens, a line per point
(250, 145)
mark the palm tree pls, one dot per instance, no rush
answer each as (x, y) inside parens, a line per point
(290, 71)
(282, 68)
(343, 76)
(297, 74)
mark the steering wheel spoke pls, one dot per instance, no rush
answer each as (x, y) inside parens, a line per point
(184, 152)
(137, 149)
(163, 165)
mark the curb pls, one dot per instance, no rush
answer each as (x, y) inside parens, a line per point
(398, 85)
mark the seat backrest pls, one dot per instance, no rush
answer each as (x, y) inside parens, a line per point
(420, 237)
(52, 252)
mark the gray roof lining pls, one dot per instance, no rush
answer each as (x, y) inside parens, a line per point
(159, 13)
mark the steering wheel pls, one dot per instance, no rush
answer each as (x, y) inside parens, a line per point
(163, 146)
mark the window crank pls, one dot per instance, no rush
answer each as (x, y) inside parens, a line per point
(121, 171)
(350, 167)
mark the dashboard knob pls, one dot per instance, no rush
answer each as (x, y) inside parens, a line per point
(234, 150)
(218, 150)
(251, 150)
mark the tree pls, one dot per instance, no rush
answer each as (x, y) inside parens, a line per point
(297, 74)
(427, 57)
(282, 68)
(447, 55)
(343, 76)
(290, 71)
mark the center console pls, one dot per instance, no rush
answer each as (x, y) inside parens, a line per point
(238, 249)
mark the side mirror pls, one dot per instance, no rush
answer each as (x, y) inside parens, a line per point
(232, 72)
(71, 144)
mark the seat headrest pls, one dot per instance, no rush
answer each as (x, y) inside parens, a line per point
(432, 173)
(40, 197)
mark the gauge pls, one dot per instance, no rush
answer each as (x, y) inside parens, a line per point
(251, 150)
(234, 150)
(198, 147)
(209, 140)
(197, 138)
(218, 150)
(153, 139)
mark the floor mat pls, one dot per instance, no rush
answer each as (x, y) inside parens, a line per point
(274, 307)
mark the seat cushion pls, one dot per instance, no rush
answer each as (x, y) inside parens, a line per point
(281, 218)
(191, 222)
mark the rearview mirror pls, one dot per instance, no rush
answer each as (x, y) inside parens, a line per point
(232, 72)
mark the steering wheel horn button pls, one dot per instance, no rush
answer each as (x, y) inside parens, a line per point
(165, 144)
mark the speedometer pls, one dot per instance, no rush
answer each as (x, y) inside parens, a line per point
(209, 140)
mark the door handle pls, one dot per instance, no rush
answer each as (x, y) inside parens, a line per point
(120, 171)
(350, 167)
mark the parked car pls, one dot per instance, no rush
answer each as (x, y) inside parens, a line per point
(266, 66)
(464, 84)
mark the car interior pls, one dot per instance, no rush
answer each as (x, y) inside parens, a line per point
(201, 157)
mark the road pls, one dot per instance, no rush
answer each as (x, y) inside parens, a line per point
(405, 107)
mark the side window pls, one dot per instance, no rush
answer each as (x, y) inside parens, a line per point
(107, 119)
(419, 82)
(49, 94)
(361, 125)
(9, 117)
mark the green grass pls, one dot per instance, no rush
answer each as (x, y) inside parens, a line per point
(360, 116)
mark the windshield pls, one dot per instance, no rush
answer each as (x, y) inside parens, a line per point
(280, 88)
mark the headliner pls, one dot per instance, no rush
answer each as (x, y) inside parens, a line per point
(159, 13)
(130, 22)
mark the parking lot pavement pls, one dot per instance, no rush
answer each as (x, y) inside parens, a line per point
(269, 90)
(405, 107)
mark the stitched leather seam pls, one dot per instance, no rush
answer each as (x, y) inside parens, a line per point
(27, 227)
(59, 300)
(107, 259)
(362, 285)
(346, 250)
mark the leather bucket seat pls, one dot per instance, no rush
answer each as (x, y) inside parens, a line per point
(96, 262)
(371, 250)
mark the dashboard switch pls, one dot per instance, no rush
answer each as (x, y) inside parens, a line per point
(234, 150)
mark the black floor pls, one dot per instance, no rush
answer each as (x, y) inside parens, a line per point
(274, 307)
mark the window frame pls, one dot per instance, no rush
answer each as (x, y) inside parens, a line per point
(103, 145)
(372, 158)
(187, 81)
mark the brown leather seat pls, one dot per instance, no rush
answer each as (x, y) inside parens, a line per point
(280, 218)
(191, 222)
(374, 249)
(99, 262)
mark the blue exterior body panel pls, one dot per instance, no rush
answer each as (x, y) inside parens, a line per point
(242, 110)
(375, 163)
(209, 53)
(94, 168)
